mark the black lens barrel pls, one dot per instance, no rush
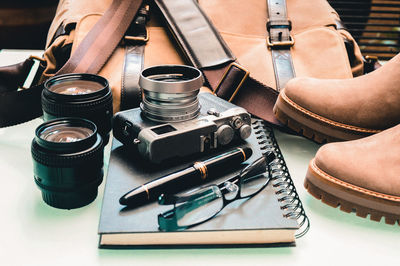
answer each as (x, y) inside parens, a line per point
(95, 105)
(68, 173)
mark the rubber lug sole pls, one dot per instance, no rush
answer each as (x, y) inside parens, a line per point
(338, 199)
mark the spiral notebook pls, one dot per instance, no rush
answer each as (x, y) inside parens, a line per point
(275, 216)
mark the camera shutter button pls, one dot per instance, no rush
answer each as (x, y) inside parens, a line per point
(225, 134)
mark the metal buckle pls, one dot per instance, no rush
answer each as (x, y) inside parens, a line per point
(246, 74)
(138, 38)
(289, 43)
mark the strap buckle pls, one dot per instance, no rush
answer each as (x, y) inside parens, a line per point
(275, 44)
(130, 38)
(280, 25)
(245, 74)
(138, 29)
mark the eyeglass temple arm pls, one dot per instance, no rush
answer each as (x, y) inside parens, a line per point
(172, 199)
(258, 167)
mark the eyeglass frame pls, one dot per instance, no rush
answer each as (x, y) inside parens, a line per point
(171, 224)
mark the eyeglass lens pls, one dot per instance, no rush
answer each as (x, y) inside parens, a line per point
(208, 201)
(205, 203)
(252, 184)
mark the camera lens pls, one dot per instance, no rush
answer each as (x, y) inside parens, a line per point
(170, 92)
(76, 87)
(65, 133)
(68, 162)
(79, 95)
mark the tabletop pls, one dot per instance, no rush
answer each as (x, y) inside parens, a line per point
(34, 233)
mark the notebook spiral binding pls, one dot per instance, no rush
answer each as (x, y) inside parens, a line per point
(280, 177)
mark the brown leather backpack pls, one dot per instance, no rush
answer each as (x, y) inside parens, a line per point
(83, 32)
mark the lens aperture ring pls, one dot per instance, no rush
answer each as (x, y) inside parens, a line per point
(54, 107)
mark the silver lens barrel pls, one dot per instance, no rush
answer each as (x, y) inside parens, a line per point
(170, 92)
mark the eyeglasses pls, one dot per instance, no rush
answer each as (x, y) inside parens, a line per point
(202, 204)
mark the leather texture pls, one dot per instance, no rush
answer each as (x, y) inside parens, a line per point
(135, 41)
(279, 27)
(372, 163)
(283, 67)
(82, 17)
(229, 85)
(199, 40)
(241, 26)
(370, 101)
(257, 98)
(100, 42)
(204, 47)
(133, 65)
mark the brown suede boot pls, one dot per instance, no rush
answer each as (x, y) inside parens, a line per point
(345, 109)
(361, 175)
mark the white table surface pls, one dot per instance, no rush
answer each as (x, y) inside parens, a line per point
(33, 233)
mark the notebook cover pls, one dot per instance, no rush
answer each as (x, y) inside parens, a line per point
(255, 221)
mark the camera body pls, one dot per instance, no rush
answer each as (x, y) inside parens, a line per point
(219, 123)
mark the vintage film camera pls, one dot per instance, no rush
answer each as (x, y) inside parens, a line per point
(174, 120)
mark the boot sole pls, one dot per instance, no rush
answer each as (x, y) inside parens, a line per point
(351, 198)
(313, 126)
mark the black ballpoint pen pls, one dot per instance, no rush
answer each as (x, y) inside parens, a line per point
(196, 174)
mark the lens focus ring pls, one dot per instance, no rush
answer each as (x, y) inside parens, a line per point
(170, 92)
(68, 162)
(61, 160)
(53, 107)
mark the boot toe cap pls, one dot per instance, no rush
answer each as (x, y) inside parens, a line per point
(311, 94)
(362, 163)
(297, 88)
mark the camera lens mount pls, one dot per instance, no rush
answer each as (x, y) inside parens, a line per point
(79, 95)
(68, 162)
(170, 92)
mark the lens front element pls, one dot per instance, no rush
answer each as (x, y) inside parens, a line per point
(65, 133)
(76, 87)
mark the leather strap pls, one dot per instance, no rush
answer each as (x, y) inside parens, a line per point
(231, 82)
(205, 49)
(198, 38)
(134, 40)
(280, 41)
(133, 65)
(283, 67)
(98, 45)
(17, 106)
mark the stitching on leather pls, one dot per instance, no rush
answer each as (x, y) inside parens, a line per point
(294, 105)
(353, 187)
